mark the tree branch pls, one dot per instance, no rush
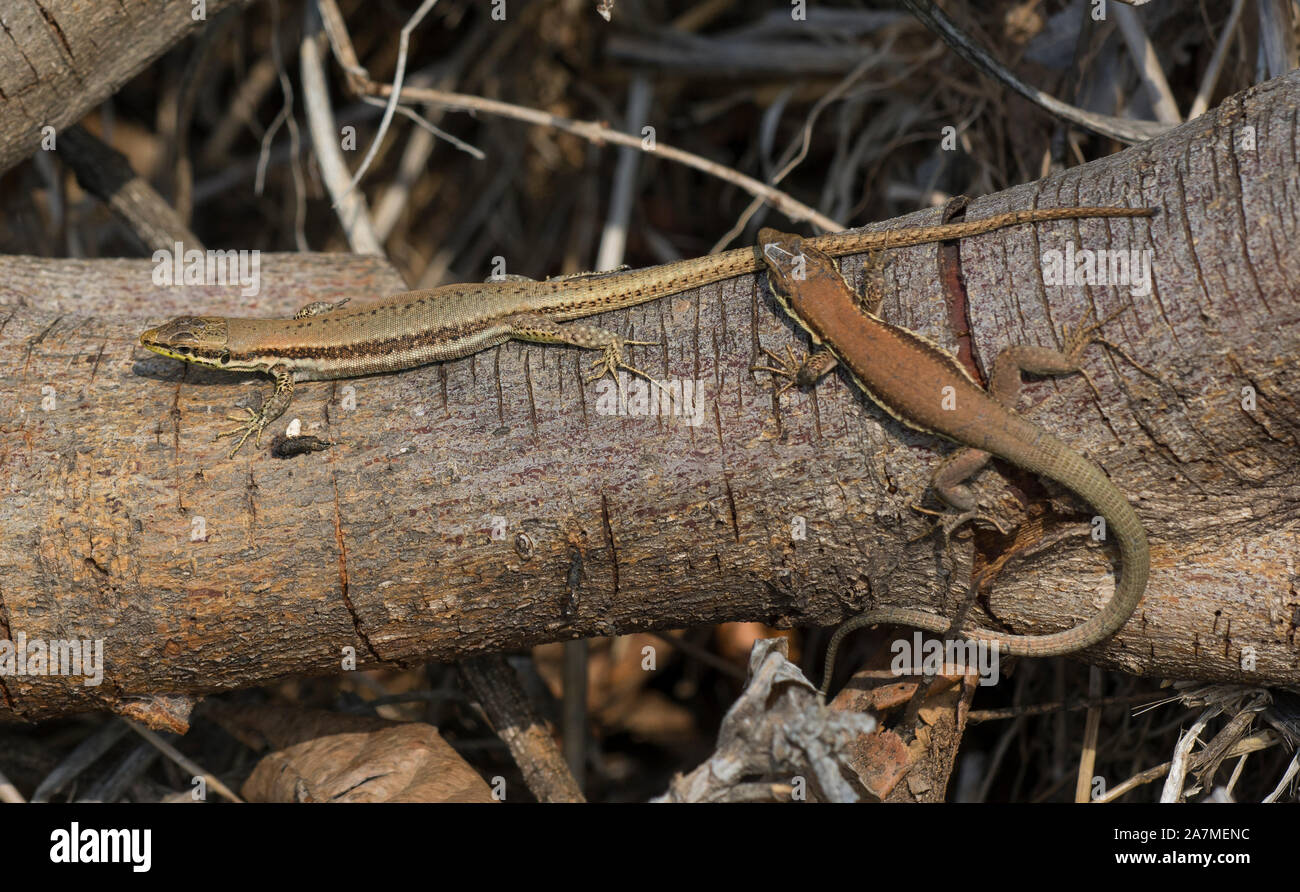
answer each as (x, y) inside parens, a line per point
(123, 520)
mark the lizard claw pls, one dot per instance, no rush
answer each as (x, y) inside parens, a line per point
(251, 426)
(785, 367)
(607, 363)
(611, 360)
(950, 522)
(1075, 338)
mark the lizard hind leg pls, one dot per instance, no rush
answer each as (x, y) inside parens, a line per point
(1005, 377)
(543, 330)
(949, 481)
(951, 478)
(321, 306)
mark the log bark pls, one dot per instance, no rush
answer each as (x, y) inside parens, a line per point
(488, 503)
(61, 58)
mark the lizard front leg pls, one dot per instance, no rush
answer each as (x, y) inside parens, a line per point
(800, 371)
(272, 408)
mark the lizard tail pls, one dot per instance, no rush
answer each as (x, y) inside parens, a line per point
(1080, 475)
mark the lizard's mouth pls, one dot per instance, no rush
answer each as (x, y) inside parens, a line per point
(154, 340)
(182, 353)
(150, 341)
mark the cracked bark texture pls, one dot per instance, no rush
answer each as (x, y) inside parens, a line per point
(61, 58)
(123, 520)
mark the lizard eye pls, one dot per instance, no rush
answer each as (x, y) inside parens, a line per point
(224, 357)
(184, 350)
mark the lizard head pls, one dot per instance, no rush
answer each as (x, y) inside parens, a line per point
(791, 264)
(202, 340)
(778, 252)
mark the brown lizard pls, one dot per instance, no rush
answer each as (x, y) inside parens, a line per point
(325, 341)
(910, 377)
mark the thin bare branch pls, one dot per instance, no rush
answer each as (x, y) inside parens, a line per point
(1117, 128)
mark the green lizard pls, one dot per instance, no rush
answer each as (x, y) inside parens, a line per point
(326, 341)
(909, 377)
